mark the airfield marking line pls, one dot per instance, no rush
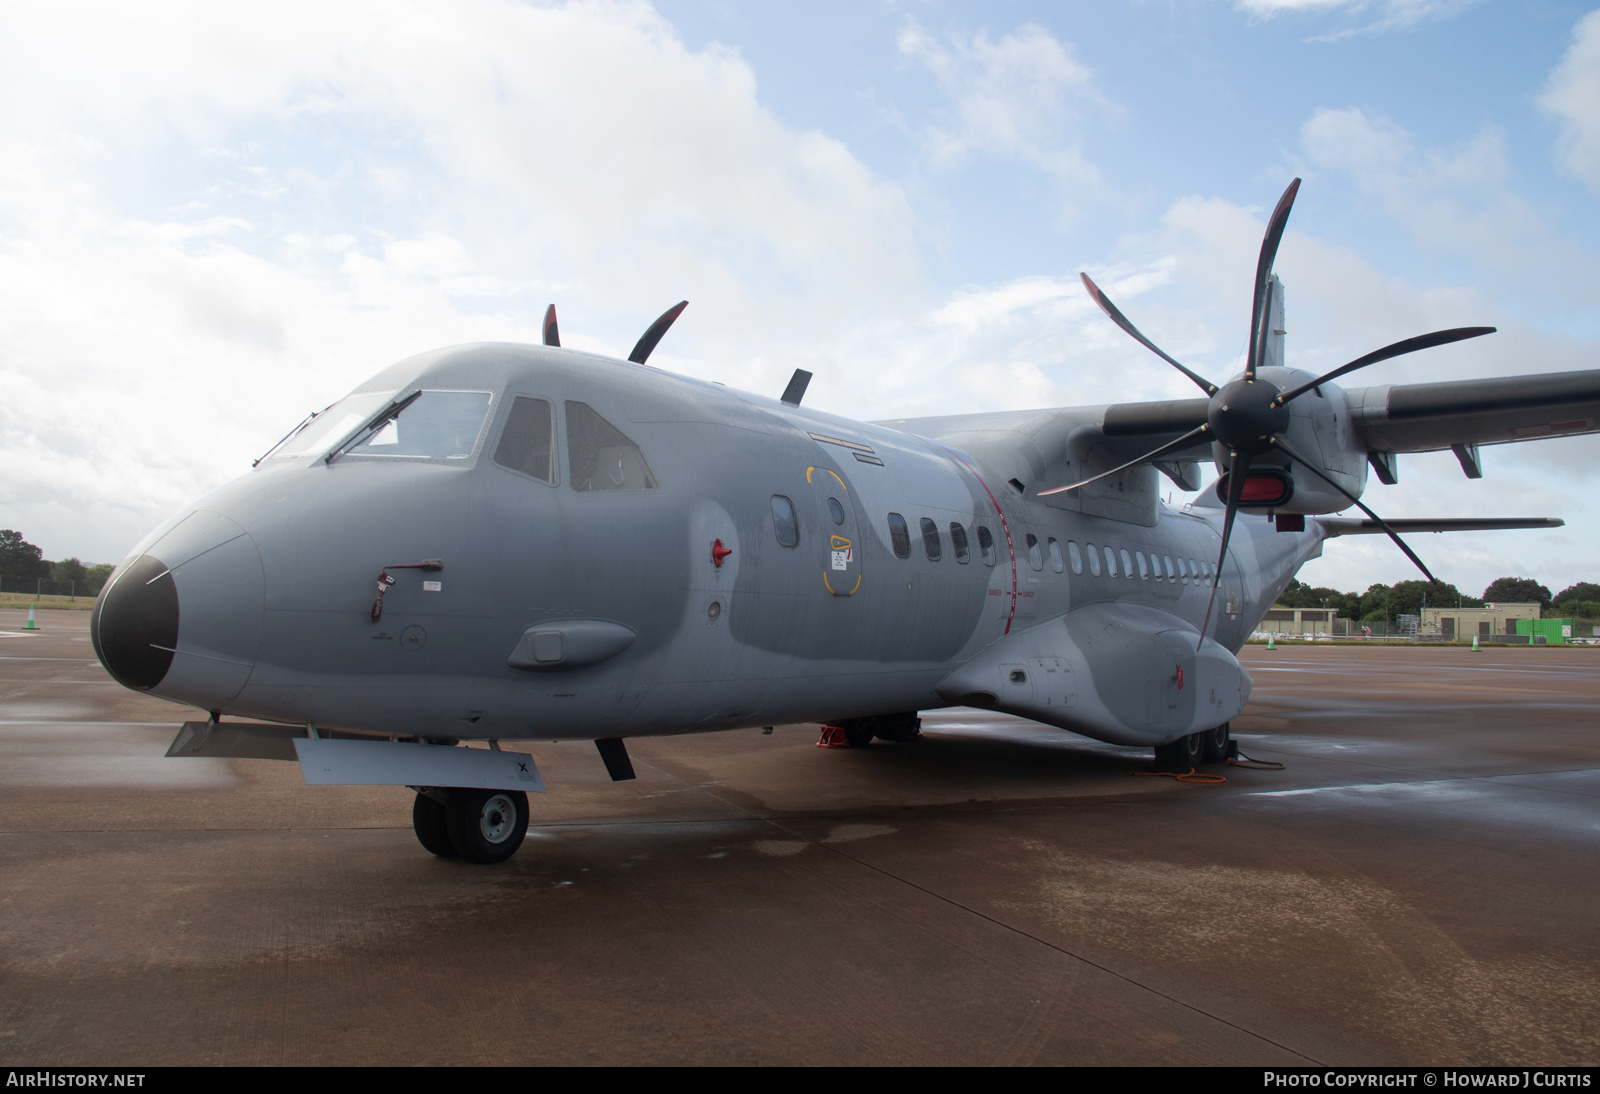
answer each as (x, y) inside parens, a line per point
(1058, 949)
(81, 660)
(1429, 776)
(36, 684)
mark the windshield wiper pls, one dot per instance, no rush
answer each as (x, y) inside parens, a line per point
(381, 419)
(309, 418)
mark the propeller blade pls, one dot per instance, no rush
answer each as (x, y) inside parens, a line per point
(1121, 320)
(1398, 542)
(1171, 446)
(1238, 472)
(648, 340)
(1269, 255)
(552, 335)
(1409, 345)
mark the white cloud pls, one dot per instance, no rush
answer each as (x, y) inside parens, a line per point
(213, 219)
(1368, 16)
(1021, 97)
(1452, 201)
(1573, 95)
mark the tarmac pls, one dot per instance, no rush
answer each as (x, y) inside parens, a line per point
(1417, 886)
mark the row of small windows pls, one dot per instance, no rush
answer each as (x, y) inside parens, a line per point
(932, 543)
(1163, 567)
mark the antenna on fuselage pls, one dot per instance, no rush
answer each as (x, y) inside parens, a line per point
(648, 340)
(797, 387)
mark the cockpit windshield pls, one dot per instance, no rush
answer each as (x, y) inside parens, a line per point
(437, 425)
(434, 425)
(332, 425)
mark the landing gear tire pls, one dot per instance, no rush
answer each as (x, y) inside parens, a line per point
(857, 733)
(1216, 748)
(428, 822)
(1183, 754)
(486, 825)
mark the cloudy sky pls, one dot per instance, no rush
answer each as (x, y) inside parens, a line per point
(215, 218)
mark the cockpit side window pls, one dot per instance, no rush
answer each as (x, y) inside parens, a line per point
(600, 457)
(527, 443)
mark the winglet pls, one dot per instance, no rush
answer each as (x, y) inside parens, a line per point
(797, 387)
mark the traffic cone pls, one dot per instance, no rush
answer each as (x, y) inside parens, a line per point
(30, 625)
(1270, 644)
(1475, 648)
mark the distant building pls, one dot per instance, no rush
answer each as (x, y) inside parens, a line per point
(1280, 620)
(1489, 621)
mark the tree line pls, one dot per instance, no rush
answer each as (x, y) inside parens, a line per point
(1385, 602)
(21, 559)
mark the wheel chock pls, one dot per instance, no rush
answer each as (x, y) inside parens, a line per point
(833, 737)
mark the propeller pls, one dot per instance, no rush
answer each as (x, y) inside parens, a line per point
(552, 334)
(1247, 416)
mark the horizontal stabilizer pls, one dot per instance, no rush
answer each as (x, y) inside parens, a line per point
(1355, 526)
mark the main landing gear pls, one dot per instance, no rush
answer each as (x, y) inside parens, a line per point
(476, 825)
(1212, 746)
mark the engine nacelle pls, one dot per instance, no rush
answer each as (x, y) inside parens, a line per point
(1320, 430)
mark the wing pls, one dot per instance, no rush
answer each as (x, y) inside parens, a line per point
(1427, 417)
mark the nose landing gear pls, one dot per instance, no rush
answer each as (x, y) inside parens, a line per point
(480, 826)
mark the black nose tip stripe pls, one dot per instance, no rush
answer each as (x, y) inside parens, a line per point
(135, 624)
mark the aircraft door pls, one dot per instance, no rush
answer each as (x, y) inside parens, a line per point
(838, 543)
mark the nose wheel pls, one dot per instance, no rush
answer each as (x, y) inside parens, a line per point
(480, 826)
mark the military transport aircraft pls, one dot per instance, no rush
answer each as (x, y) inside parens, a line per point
(503, 543)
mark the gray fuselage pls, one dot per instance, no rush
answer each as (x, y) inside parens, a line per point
(585, 613)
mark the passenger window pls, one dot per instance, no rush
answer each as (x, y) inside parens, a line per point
(527, 443)
(1183, 575)
(1127, 565)
(899, 535)
(1055, 554)
(601, 458)
(1035, 559)
(1144, 571)
(986, 545)
(835, 511)
(1094, 561)
(930, 539)
(1075, 556)
(1168, 560)
(1111, 562)
(784, 524)
(958, 543)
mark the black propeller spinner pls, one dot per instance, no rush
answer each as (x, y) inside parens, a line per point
(1248, 416)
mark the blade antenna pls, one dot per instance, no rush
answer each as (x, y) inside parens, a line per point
(1269, 255)
(1171, 446)
(552, 334)
(648, 340)
(1395, 349)
(1398, 542)
(1132, 331)
(1238, 469)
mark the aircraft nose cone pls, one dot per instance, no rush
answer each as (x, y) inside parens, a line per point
(135, 624)
(183, 620)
